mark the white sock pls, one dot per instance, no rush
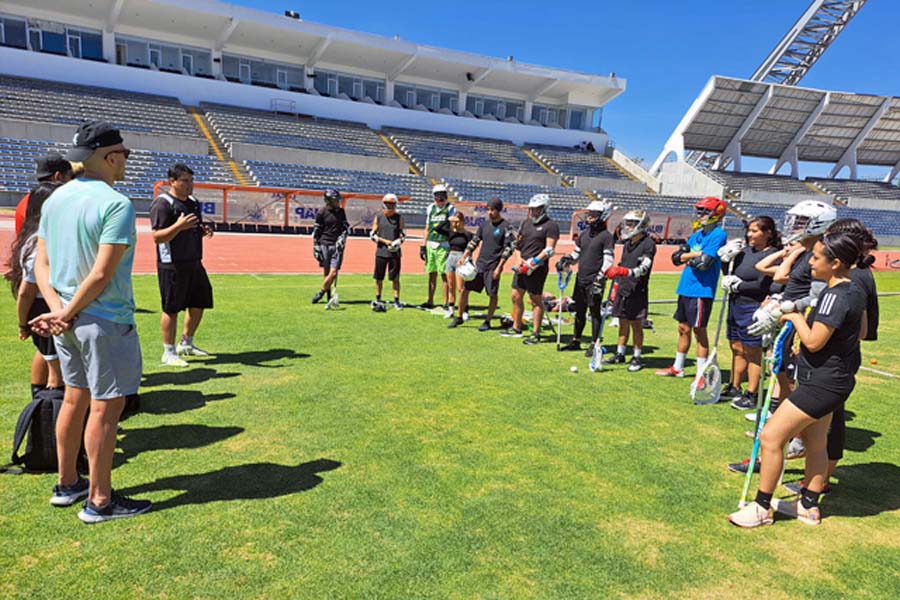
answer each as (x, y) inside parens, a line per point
(679, 361)
(168, 348)
(620, 349)
(701, 362)
(637, 352)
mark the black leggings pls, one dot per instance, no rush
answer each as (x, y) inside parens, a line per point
(837, 434)
(584, 300)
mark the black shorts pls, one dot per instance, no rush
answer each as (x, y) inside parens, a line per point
(631, 306)
(391, 264)
(534, 283)
(693, 311)
(44, 345)
(817, 401)
(484, 282)
(183, 286)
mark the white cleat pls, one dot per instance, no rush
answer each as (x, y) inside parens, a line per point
(190, 350)
(173, 360)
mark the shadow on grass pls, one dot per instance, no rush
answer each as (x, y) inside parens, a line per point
(144, 311)
(255, 358)
(175, 401)
(255, 481)
(865, 490)
(169, 437)
(860, 440)
(185, 377)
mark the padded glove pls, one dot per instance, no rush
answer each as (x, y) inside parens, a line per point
(613, 272)
(422, 252)
(730, 250)
(731, 283)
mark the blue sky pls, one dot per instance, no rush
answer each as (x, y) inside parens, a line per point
(665, 49)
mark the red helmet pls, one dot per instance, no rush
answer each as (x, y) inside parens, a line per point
(709, 210)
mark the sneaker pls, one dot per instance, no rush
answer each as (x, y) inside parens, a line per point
(589, 353)
(635, 365)
(485, 326)
(670, 371)
(741, 467)
(118, 507)
(189, 350)
(465, 316)
(796, 449)
(532, 340)
(455, 323)
(398, 305)
(752, 416)
(511, 332)
(67, 495)
(426, 305)
(318, 296)
(745, 401)
(730, 392)
(752, 515)
(572, 345)
(448, 312)
(795, 510)
(173, 360)
(615, 359)
(796, 488)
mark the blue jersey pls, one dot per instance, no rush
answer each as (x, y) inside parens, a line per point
(702, 284)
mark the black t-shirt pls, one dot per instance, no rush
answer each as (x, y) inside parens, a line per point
(800, 278)
(755, 285)
(866, 281)
(632, 253)
(493, 237)
(840, 307)
(330, 225)
(186, 246)
(593, 245)
(388, 228)
(458, 240)
(533, 238)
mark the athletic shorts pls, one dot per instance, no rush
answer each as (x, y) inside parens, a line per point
(693, 311)
(391, 264)
(102, 356)
(452, 258)
(183, 286)
(44, 345)
(332, 257)
(740, 317)
(633, 306)
(534, 283)
(817, 401)
(435, 259)
(484, 281)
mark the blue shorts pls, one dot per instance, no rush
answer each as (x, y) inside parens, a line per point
(740, 316)
(693, 311)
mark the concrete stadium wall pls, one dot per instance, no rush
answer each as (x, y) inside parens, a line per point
(58, 132)
(873, 203)
(193, 90)
(438, 170)
(294, 156)
(681, 179)
(635, 170)
(609, 183)
(751, 196)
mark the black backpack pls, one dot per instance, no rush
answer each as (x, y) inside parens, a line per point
(38, 421)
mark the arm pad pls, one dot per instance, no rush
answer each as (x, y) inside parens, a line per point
(676, 256)
(643, 267)
(608, 260)
(373, 236)
(549, 251)
(702, 262)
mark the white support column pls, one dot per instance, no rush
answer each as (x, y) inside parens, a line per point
(463, 99)
(112, 17)
(529, 109)
(790, 153)
(894, 172)
(732, 151)
(216, 56)
(388, 90)
(219, 45)
(675, 142)
(848, 159)
(109, 46)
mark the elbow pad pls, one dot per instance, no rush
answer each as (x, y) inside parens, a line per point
(608, 260)
(472, 245)
(676, 256)
(373, 236)
(702, 262)
(576, 254)
(643, 268)
(549, 251)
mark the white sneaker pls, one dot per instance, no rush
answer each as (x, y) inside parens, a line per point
(173, 360)
(751, 416)
(189, 350)
(795, 510)
(752, 515)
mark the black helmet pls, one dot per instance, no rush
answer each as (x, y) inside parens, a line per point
(333, 197)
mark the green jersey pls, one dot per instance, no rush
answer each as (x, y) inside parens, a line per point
(437, 222)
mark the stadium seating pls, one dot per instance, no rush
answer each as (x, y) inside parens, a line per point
(676, 205)
(569, 161)
(845, 188)
(881, 222)
(235, 124)
(736, 183)
(422, 147)
(145, 168)
(50, 102)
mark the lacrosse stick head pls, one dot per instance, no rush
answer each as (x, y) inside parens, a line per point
(707, 386)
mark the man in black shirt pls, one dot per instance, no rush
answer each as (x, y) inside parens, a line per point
(178, 231)
(497, 241)
(388, 233)
(329, 238)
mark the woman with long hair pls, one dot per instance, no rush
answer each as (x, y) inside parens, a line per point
(458, 239)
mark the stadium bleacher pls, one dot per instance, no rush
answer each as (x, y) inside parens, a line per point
(570, 161)
(422, 147)
(846, 188)
(736, 183)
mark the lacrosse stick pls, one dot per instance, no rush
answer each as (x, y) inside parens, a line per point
(562, 283)
(707, 385)
(596, 363)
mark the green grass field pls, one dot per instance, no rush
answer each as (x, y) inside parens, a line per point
(352, 454)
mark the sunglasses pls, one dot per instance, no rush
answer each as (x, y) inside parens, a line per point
(124, 152)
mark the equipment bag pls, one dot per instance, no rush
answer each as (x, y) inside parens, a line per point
(38, 422)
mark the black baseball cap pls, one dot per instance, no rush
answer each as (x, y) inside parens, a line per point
(89, 137)
(495, 203)
(47, 166)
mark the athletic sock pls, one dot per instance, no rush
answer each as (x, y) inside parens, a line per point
(378, 298)
(764, 500)
(809, 499)
(637, 352)
(620, 350)
(701, 362)
(679, 361)
(187, 340)
(169, 348)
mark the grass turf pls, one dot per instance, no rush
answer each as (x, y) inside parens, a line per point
(353, 454)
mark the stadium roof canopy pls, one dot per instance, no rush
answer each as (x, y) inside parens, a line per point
(739, 117)
(219, 25)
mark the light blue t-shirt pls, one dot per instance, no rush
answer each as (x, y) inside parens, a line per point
(75, 220)
(702, 284)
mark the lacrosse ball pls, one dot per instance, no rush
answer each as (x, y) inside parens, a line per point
(573, 368)
(874, 361)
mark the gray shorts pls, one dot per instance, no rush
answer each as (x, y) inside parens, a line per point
(102, 356)
(331, 256)
(452, 259)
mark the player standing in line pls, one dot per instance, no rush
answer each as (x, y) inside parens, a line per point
(436, 248)
(594, 253)
(497, 240)
(458, 240)
(697, 286)
(633, 278)
(536, 242)
(329, 239)
(178, 230)
(388, 233)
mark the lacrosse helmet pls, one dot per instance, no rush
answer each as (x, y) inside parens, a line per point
(378, 306)
(332, 198)
(467, 270)
(598, 212)
(389, 202)
(708, 211)
(806, 219)
(439, 191)
(537, 207)
(634, 223)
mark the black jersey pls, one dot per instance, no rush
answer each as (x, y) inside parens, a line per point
(389, 228)
(492, 238)
(632, 253)
(755, 286)
(458, 240)
(186, 246)
(866, 281)
(330, 225)
(800, 278)
(840, 307)
(594, 247)
(533, 238)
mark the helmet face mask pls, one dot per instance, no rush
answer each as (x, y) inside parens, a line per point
(597, 213)
(634, 223)
(332, 198)
(807, 219)
(708, 211)
(389, 202)
(537, 207)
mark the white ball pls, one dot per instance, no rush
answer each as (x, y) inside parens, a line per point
(573, 368)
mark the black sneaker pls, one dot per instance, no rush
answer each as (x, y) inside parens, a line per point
(532, 340)
(635, 365)
(589, 353)
(572, 346)
(398, 305)
(729, 392)
(511, 332)
(455, 323)
(318, 296)
(67, 495)
(745, 402)
(426, 305)
(615, 359)
(118, 507)
(742, 466)
(486, 326)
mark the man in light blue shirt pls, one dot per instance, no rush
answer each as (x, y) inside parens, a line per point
(85, 252)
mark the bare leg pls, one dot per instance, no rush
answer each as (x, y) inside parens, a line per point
(54, 374)
(787, 422)
(463, 301)
(738, 363)
(69, 432)
(100, 444)
(39, 371)
(684, 338)
(329, 279)
(168, 322)
(492, 306)
(446, 288)
(432, 286)
(816, 474)
(518, 308)
(537, 304)
(754, 368)
(192, 319)
(378, 286)
(637, 329)
(702, 342)
(624, 330)
(396, 285)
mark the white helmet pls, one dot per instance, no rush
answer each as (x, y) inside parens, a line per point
(537, 207)
(807, 219)
(633, 223)
(389, 199)
(599, 210)
(439, 188)
(467, 270)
